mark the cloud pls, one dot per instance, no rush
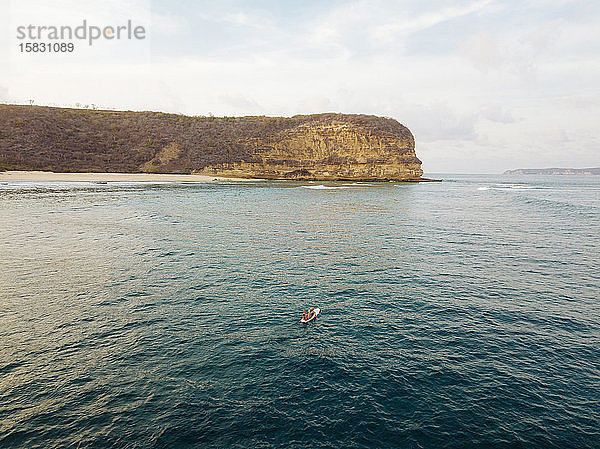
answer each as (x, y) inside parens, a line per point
(243, 18)
(315, 104)
(542, 37)
(409, 25)
(437, 121)
(497, 113)
(164, 23)
(4, 94)
(172, 101)
(241, 104)
(484, 51)
(588, 101)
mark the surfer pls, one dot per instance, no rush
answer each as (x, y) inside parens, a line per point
(310, 315)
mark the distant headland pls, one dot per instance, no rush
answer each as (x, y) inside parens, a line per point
(304, 147)
(554, 171)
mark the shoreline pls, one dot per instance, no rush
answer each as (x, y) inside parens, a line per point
(48, 176)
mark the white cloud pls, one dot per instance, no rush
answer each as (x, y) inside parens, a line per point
(410, 24)
(497, 113)
(242, 18)
(4, 94)
(588, 101)
(543, 37)
(169, 24)
(241, 104)
(485, 52)
(437, 122)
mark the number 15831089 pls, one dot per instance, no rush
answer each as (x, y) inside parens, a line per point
(46, 47)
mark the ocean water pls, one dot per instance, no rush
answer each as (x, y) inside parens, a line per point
(165, 315)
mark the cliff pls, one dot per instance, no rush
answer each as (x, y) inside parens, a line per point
(554, 171)
(316, 147)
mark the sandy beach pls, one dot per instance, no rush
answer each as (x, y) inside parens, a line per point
(44, 176)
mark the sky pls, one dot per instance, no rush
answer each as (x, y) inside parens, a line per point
(484, 85)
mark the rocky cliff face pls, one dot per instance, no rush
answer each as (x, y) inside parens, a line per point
(328, 150)
(315, 147)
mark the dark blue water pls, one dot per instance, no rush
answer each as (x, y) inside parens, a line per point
(454, 314)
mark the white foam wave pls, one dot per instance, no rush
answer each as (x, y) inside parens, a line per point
(321, 187)
(508, 187)
(516, 187)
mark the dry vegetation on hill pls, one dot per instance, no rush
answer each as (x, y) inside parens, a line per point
(78, 140)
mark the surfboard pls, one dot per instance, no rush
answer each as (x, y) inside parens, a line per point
(314, 317)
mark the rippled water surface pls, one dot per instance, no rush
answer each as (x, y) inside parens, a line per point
(455, 314)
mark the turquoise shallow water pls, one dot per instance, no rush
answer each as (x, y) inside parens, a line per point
(454, 314)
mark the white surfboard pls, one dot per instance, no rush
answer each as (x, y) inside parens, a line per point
(313, 317)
